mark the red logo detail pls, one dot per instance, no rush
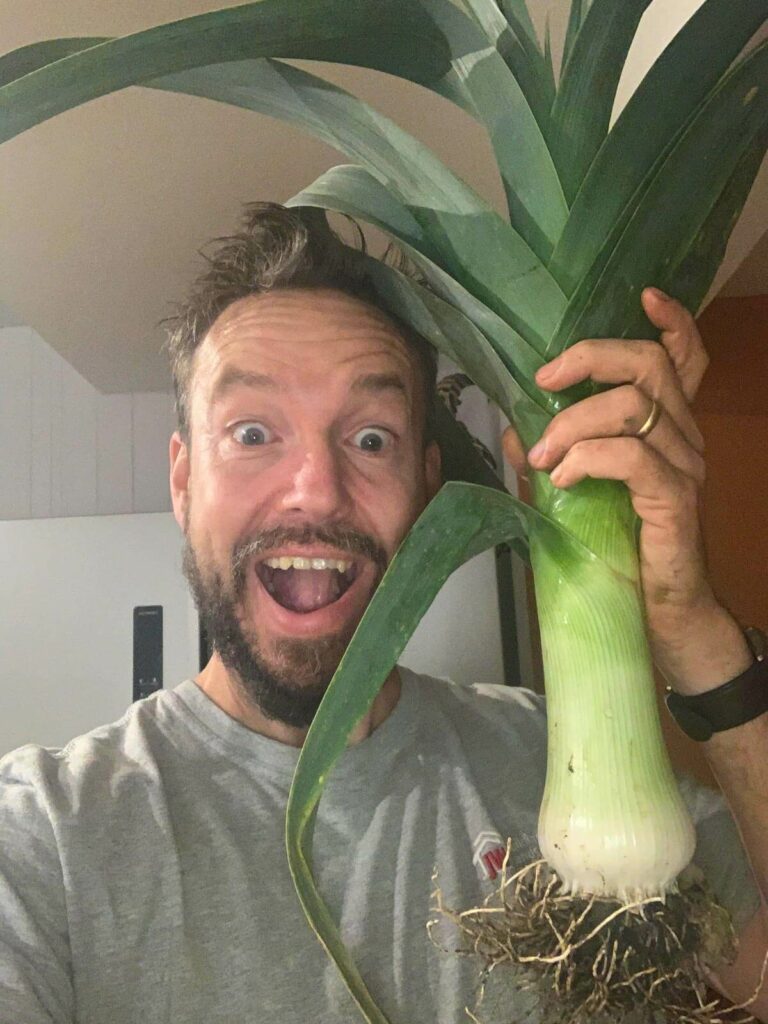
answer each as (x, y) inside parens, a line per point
(489, 854)
(494, 860)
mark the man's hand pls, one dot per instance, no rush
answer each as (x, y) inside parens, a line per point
(696, 643)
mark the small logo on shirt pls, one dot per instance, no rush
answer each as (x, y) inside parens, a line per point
(489, 852)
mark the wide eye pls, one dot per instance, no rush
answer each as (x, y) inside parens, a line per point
(372, 439)
(251, 435)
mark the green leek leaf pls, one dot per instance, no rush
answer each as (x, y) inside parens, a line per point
(514, 107)
(687, 187)
(688, 276)
(452, 57)
(371, 33)
(30, 58)
(576, 17)
(528, 63)
(685, 73)
(691, 278)
(474, 243)
(449, 331)
(461, 521)
(268, 27)
(520, 359)
(549, 63)
(585, 96)
(355, 192)
(507, 26)
(494, 16)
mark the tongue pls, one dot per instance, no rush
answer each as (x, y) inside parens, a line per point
(305, 590)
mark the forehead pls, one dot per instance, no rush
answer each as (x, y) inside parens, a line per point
(300, 335)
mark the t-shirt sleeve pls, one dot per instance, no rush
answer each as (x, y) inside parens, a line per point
(719, 851)
(35, 973)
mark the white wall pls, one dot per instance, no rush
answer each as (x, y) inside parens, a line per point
(460, 636)
(68, 450)
(68, 591)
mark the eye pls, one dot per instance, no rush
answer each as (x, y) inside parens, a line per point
(372, 439)
(252, 435)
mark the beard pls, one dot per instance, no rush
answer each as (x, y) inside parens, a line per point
(289, 685)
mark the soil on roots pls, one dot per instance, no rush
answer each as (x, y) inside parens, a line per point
(595, 959)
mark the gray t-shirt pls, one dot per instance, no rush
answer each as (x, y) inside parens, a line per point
(143, 877)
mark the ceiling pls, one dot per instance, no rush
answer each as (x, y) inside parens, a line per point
(107, 205)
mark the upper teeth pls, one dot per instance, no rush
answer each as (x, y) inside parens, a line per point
(288, 562)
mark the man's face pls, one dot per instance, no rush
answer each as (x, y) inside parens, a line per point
(307, 468)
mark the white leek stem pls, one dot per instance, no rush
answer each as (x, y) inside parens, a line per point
(612, 820)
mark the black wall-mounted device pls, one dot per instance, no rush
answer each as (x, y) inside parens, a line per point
(147, 650)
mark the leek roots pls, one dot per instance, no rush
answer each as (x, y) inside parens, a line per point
(595, 959)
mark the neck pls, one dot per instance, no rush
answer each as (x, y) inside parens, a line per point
(216, 682)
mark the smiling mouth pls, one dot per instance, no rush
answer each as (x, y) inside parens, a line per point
(305, 585)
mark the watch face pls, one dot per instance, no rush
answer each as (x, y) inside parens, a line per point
(692, 724)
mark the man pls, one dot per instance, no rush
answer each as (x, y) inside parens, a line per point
(142, 872)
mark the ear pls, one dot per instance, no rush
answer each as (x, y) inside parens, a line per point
(433, 469)
(179, 458)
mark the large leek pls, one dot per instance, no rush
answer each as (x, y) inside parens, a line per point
(592, 216)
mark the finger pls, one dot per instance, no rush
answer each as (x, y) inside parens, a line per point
(652, 481)
(667, 502)
(645, 364)
(680, 337)
(613, 414)
(513, 450)
(666, 439)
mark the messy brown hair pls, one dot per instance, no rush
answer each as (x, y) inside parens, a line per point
(281, 248)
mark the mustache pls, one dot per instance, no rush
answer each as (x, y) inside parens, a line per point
(343, 538)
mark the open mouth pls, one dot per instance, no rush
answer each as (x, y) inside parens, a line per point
(304, 585)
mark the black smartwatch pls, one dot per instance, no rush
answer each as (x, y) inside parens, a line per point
(734, 703)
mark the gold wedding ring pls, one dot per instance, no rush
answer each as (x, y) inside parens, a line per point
(653, 418)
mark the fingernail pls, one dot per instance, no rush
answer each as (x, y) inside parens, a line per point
(547, 371)
(538, 452)
(659, 294)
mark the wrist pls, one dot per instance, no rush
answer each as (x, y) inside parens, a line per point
(708, 649)
(733, 704)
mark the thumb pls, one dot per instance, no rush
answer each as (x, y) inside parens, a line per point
(514, 452)
(679, 336)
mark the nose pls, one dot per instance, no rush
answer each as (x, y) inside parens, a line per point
(316, 486)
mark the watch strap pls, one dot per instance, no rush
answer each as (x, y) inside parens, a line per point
(734, 703)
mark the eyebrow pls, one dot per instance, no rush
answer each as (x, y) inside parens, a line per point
(234, 377)
(378, 382)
